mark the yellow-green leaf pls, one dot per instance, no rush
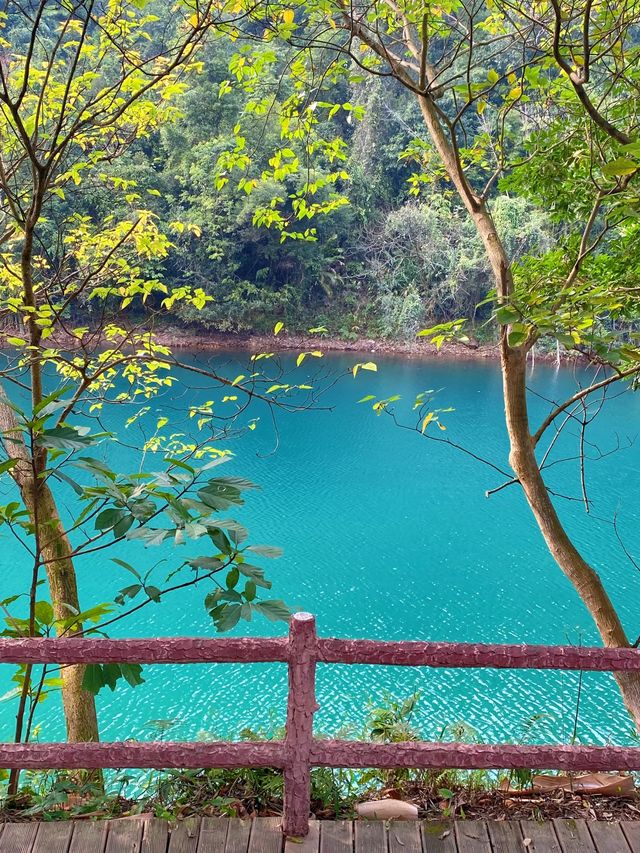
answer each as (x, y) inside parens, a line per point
(427, 420)
(365, 365)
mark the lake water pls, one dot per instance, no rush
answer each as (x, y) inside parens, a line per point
(388, 535)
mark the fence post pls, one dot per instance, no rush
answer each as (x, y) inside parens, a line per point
(299, 729)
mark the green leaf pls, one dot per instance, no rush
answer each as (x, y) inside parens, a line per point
(517, 337)
(221, 460)
(630, 353)
(128, 592)
(95, 466)
(226, 616)
(270, 551)
(195, 530)
(237, 531)
(256, 574)
(238, 482)
(275, 610)
(220, 495)
(43, 408)
(97, 676)
(123, 526)
(507, 314)
(92, 614)
(154, 593)
(143, 509)
(43, 613)
(92, 680)
(132, 673)
(149, 535)
(60, 475)
(7, 465)
(211, 564)
(620, 166)
(63, 438)
(108, 518)
(13, 693)
(220, 540)
(173, 462)
(126, 566)
(110, 675)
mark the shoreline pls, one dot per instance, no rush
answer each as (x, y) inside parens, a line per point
(182, 339)
(418, 350)
(410, 350)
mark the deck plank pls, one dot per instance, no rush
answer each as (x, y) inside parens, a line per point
(608, 837)
(472, 836)
(238, 836)
(403, 836)
(89, 836)
(631, 830)
(437, 837)
(574, 836)
(155, 836)
(53, 837)
(184, 838)
(266, 835)
(213, 834)
(336, 836)
(505, 835)
(370, 836)
(542, 835)
(124, 836)
(18, 837)
(309, 844)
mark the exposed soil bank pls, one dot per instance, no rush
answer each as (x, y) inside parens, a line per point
(178, 338)
(186, 339)
(208, 341)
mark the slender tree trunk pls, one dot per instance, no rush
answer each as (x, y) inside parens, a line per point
(55, 555)
(55, 548)
(522, 457)
(79, 705)
(584, 578)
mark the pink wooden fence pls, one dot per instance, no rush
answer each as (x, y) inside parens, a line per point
(300, 751)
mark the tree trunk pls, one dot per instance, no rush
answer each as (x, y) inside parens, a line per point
(79, 705)
(584, 578)
(522, 456)
(56, 556)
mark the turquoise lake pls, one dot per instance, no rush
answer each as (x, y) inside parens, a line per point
(388, 535)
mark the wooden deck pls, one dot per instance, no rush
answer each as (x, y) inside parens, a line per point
(223, 835)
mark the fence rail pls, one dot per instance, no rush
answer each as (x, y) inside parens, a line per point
(300, 751)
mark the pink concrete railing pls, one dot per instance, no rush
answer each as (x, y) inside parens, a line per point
(300, 751)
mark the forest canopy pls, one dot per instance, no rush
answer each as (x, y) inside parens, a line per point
(392, 253)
